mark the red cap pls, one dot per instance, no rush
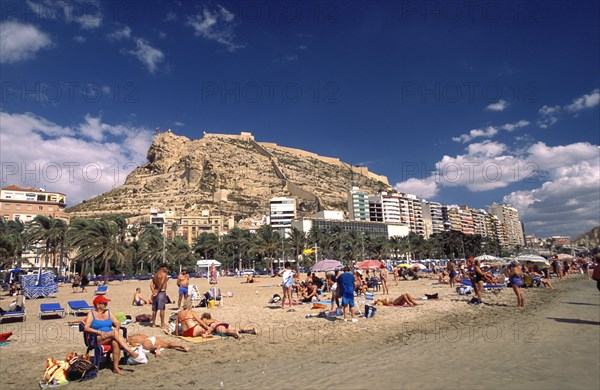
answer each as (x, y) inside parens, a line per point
(100, 299)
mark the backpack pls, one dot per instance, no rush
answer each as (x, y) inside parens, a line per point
(143, 318)
(370, 311)
(81, 368)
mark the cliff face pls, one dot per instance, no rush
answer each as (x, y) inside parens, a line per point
(230, 176)
(590, 239)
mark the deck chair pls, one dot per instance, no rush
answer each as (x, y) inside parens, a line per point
(101, 351)
(79, 307)
(194, 295)
(101, 290)
(369, 299)
(17, 310)
(215, 293)
(50, 309)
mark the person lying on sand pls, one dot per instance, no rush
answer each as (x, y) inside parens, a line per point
(404, 299)
(154, 344)
(222, 329)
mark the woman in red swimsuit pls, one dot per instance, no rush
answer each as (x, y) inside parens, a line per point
(191, 324)
(222, 329)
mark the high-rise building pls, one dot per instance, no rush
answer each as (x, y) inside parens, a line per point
(433, 217)
(358, 204)
(511, 229)
(385, 208)
(283, 213)
(24, 204)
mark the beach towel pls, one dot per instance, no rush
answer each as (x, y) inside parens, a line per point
(198, 339)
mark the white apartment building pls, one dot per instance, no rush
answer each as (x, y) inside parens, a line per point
(282, 212)
(386, 208)
(433, 218)
(511, 229)
(358, 204)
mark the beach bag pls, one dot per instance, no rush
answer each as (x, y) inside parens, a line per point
(370, 311)
(56, 371)
(596, 273)
(143, 318)
(80, 368)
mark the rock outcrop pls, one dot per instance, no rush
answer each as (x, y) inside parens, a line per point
(230, 175)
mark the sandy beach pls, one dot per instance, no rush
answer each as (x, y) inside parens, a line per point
(553, 343)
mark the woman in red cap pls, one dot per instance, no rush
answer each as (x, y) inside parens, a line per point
(100, 321)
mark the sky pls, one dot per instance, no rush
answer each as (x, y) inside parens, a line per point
(455, 102)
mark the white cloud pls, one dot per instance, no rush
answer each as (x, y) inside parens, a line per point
(500, 105)
(422, 188)
(490, 131)
(19, 41)
(150, 56)
(79, 38)
(171, 17)
(551, 114)
(87, 13)
(58, 158)
(585, 101)
(217, 25)
(120, 34)
(566, 181)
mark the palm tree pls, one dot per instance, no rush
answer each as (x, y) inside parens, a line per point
(206, 244)
(49, 230)
(296, 240)
(151, 243)
(267, 242)
(102, 240)
(12, 242)
(179, 251)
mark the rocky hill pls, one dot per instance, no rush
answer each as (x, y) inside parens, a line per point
(230, 175)
(590, 239)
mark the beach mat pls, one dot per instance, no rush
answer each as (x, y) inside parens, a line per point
(198, 339)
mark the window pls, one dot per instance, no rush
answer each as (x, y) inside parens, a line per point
(50, 208)
(18, 207)
(6, 207)
(40, 208)
(29, 207)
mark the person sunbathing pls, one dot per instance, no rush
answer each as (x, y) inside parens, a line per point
(138, 300)
(154, 344)
(223, 329)
(191, 324)
(402, 300)
(249, 279)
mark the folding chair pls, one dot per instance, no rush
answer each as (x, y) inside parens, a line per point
(194, 295)
(50, 309)
(369, 298)
(215, 293)
(101, 351)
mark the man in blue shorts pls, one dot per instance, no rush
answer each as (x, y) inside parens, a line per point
(183, 282)
(345, 284)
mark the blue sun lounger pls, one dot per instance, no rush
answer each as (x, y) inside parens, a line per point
(50, 309)
(79, 307)
(101, 290)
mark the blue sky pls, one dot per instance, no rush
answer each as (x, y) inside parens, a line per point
(461, 103)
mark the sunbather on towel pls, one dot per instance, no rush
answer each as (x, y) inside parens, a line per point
(404, 299)
(310, 292)
(223, 329)
(154, 344)
(191, 324)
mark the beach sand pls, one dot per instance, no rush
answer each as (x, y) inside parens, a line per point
(553, 343)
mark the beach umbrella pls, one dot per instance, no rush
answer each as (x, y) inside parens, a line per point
(326, 265)
(486, 258)
(418, 265)
(369, 264)
(533, 259)
(404, 265)
(564, 256)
